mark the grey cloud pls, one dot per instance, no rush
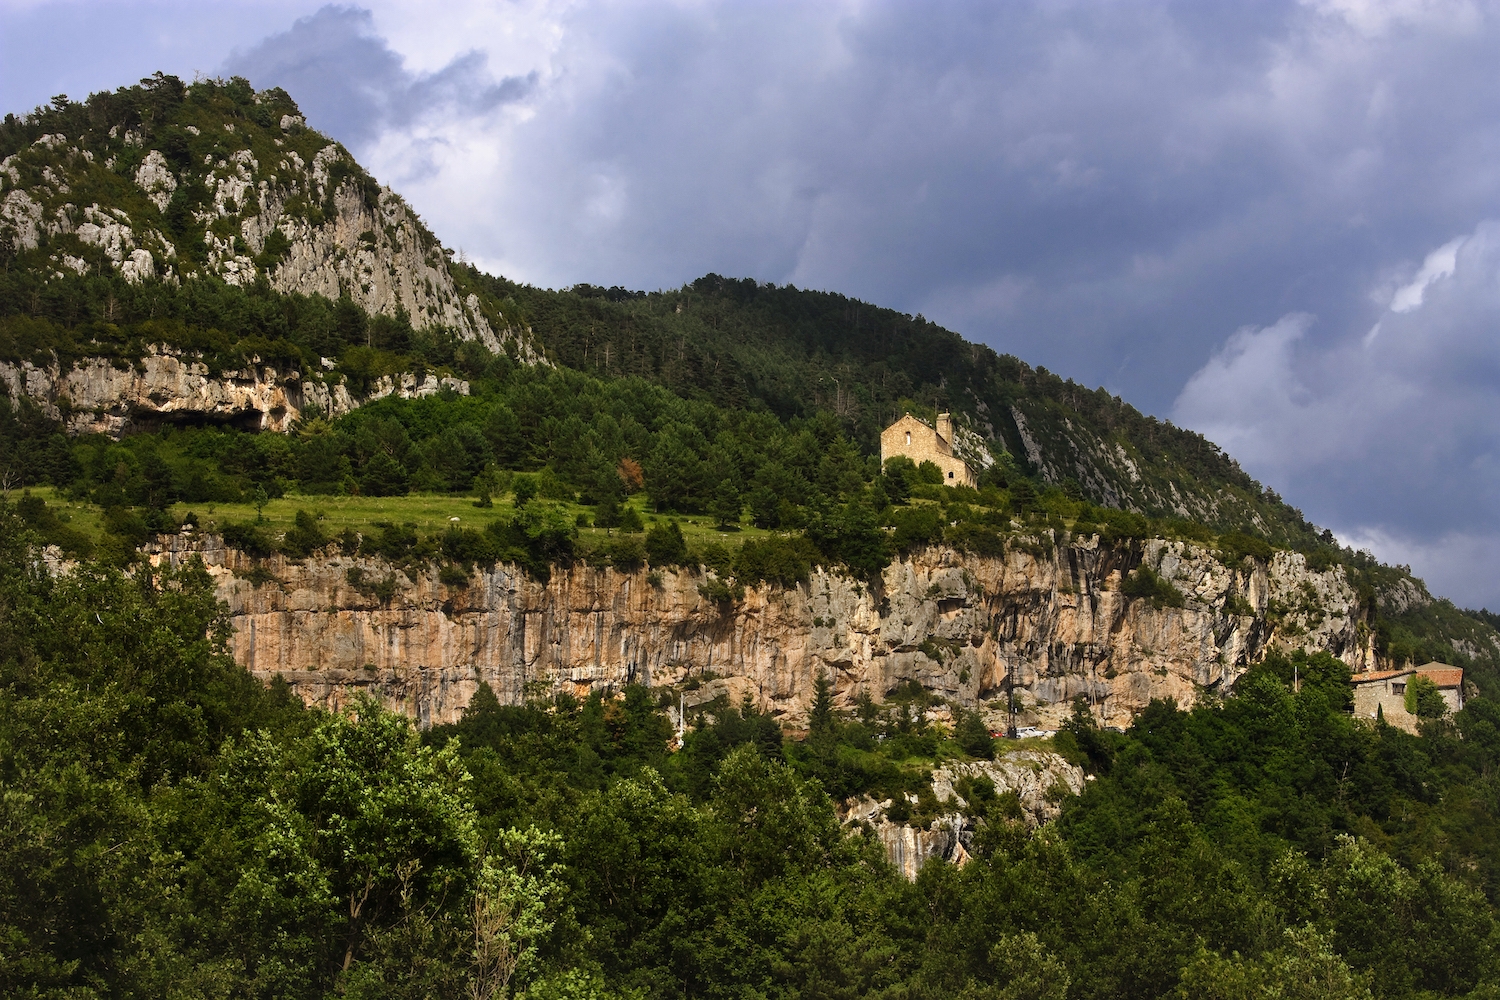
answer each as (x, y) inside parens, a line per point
(1109, 190)
(1391, 436)
(351, 84)
(1148, 176)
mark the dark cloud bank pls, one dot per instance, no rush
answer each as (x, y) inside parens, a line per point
(1273, 222)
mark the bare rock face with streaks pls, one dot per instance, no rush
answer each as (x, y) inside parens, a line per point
(99, 396)
(337, 232)
(1039, 780)
(1047, 619)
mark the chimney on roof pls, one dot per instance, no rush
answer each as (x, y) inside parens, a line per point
(945, 427)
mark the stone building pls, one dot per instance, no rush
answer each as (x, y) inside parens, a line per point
(1383, 692)
(917, 440)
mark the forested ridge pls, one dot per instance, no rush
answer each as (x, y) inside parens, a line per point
(740, 343)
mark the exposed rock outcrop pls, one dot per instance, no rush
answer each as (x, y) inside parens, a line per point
(105, 397)
(1047, 619)
(1039, 780)
(340, 234)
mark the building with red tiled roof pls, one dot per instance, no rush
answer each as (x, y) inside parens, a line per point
(1383, 692)
(1449, 681)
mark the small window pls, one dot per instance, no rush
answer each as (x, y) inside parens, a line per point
(1398, 689)
(950, 475)
(908, 437)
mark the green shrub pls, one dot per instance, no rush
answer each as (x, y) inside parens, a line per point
(305, 536)
(383, 476)
(900, 474)
(383, 590)
(537, 537)
(929, 491)
(1321, 560)
(720, 591)
(849, 534)
(665, 545)
(916, 527)
(1145, 583)
(1115, 525)
(469, 546)
(453, 575)
(1234, 604)
(782, 561)
(1236, 545)
(525, 489)
(976, 538)
(1192, 531)
(393, 541)
(607, 513)
(1423, 699)
(250, 539)
(275, 250)
(973, 738)
(627, 553)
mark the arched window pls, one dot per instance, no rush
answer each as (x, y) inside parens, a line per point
(908, 437)
(950, 475)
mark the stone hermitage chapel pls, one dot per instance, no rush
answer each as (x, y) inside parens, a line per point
(920, 442)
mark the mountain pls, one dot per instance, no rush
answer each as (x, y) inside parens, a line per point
(216, 180)
(174, 183)
(371, 626)
(193, 255)
(796, 352)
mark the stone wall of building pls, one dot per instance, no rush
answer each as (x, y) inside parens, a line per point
(1383, 693)
(917, 441)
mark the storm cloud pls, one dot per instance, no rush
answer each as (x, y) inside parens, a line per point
(350, 83)
(1272, 222)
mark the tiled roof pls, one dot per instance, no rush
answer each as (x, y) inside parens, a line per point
(1442, 674)
(1379, 675)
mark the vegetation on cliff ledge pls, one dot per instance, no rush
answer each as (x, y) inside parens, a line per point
(725, 399)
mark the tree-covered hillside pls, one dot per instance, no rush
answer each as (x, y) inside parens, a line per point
(171, 828)
(796, 352)
(566, 457)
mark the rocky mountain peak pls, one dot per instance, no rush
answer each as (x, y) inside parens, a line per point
(173, 182)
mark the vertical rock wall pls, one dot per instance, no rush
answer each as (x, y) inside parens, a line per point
(1047, 619)
(97, 396)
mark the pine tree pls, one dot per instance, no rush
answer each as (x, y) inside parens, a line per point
(822, 723)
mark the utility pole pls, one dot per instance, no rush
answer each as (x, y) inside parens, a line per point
(1010, 703)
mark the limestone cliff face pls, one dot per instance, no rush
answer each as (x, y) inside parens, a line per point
(1046, 618)
(339, 232)
(100, 396)
(1039, 780)
(373, 249)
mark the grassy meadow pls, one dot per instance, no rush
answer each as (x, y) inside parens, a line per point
(428, 513)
